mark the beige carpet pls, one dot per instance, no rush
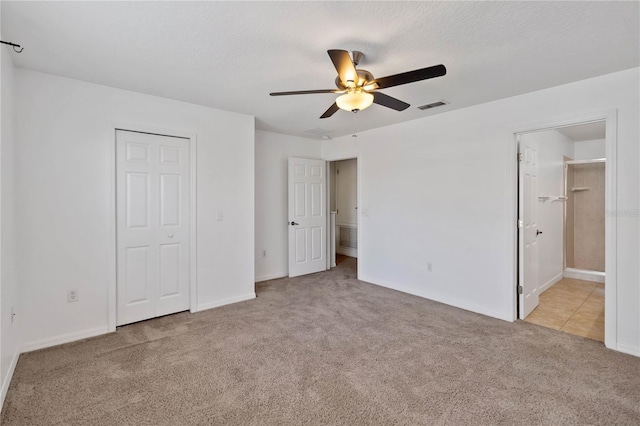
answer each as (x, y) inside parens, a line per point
(327, 349)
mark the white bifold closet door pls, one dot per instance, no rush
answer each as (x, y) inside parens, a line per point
(152, 225)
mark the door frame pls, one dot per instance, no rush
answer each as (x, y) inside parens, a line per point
(610, 117)
(112, 230)
(358, 202)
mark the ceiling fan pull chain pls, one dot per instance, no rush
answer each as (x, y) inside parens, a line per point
(355, 129)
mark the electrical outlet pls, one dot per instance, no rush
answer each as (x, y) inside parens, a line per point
(429, 268)
(72, 295)
(220, 216)
(264, 253)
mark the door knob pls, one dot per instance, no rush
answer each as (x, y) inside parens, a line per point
(170, 235)
(538, 232)
(294, 224)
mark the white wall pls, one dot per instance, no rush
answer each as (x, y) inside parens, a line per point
(9, 341)
(552, 147)
(440, 190)
(590, 150)
(65, 175)
(332, 186)
(271, 216)
(347, 192)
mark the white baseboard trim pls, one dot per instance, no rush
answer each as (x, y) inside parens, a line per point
(549, 283)
(630, 350)
(7, 380)
(64, 338)
(227, 301)
(585, 275)
(271, 277)
(446, 300)
(347, 251)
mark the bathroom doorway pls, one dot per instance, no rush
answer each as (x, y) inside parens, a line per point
(562, 219)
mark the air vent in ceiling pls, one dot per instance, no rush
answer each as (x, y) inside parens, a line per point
(433, 105)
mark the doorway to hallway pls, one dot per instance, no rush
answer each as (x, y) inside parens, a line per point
(343, 207)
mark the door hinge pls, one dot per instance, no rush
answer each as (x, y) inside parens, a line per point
(337, 171)
(520, 223)
(520, 289)
(520, 156)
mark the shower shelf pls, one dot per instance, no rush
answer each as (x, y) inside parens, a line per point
(551, 198)
(580, 188)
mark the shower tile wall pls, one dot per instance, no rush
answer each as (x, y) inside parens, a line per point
(587, 217)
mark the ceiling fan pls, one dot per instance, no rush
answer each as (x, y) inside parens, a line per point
(358, 87)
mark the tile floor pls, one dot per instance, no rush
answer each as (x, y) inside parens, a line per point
(573, 306)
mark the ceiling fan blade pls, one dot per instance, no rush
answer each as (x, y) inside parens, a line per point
(389, 102)
(305, 92)
(411, 76)
(332, 110)
(346, 70)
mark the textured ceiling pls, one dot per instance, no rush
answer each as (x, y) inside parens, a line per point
(230, 55)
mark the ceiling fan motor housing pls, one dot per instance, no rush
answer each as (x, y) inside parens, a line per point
(364, 76)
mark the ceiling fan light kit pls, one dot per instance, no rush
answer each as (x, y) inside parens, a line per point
(355, 100)
(356, 85)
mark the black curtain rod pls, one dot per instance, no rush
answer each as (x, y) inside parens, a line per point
(15, 46)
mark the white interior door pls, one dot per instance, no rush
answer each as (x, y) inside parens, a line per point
(528, 226)
(307, 216)
(152, 225)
